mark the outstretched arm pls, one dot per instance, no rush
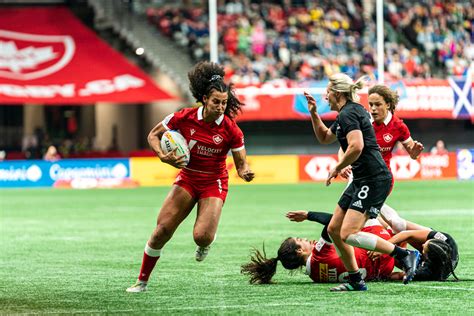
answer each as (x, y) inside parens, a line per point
(320, 217)
(410, 236)
(299, 216)
(322, 133)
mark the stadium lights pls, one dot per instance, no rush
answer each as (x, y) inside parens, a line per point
(139, 51)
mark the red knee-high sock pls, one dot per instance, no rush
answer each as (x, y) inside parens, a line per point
(150, 257)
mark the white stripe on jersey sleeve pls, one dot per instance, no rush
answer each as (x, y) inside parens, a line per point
(166, 120)
(237, 149)
(406, 141)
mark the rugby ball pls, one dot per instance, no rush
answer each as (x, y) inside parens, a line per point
(173, 139)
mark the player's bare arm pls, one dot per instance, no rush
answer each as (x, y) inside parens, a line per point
(354, 149)
(243, 169)
(413, 148)
(410, 236)
(323, 134)
(154, 138)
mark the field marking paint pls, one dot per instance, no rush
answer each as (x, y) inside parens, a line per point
(179, 308)
(439, 212)
(440, 287)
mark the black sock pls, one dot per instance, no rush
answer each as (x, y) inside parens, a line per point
(320, 217)
(355, 277)
(399, 253)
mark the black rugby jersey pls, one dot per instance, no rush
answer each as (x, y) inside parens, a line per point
(353, 116)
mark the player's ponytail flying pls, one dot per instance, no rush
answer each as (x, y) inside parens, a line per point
(261, 269)
(207, 76)
(439, 259)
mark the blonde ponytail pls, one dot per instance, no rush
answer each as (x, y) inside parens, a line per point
(343, 83)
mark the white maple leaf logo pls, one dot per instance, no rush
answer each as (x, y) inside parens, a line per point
(16, 60)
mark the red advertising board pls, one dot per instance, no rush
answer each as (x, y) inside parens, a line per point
(450, 98)
(316, 168)
(48, 56)
(428, 166)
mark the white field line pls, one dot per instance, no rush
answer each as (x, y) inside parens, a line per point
(437, 212)
(438, 287)
(176, 308)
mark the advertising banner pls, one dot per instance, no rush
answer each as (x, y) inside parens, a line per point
(465, 160)
(423, 98)
(150, 171)
(47, 56)
(316, 168)
(428, 166)
(82, 173)
(268, 169)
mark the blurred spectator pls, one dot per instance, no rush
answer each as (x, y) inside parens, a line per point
(51, 154)
(439, 148)
(308, 40)
(3, 154)
(30, 147)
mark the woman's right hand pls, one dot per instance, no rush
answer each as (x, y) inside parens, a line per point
(297, 216)
(312, 107)
(174, 160)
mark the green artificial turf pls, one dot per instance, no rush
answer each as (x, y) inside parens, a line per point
(73, 251)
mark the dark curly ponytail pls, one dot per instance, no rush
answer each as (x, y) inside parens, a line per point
(205, 77)
(439, 259)
(261, 269)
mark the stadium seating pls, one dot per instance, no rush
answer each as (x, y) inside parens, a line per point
(264, 41)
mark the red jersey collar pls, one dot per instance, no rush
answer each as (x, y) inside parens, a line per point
(199, 114)
(387, 119)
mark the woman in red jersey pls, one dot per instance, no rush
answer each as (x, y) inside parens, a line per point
(210, 131)
(320, 259)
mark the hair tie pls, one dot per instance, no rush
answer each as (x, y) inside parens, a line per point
(215, 78)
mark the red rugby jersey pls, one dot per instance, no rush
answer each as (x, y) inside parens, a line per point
(388, 134)
(209, 143)
(324, 265)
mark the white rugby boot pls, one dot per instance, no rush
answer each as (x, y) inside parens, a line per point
(202, 252)
(139, 286)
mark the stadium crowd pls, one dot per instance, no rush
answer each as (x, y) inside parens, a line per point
(303, 41)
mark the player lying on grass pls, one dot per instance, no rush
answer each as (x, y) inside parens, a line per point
(323, 264)
(320, 258)
(439, 249)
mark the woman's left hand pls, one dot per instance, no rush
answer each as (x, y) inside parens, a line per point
(247, 175)
(417, 148)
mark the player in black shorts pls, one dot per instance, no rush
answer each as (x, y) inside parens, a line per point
(372, 179)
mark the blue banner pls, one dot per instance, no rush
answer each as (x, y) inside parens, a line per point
(318, 90)
(465, 162)
(39, 173)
